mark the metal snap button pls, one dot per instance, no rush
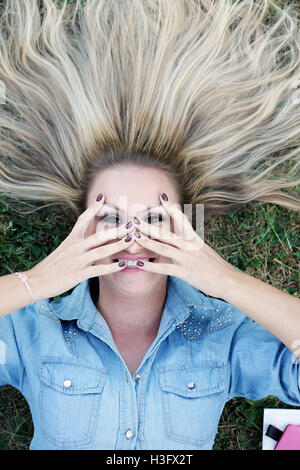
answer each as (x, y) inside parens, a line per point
(67, 383)
(191, 385)
(129, 434)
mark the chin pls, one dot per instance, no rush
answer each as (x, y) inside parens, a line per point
(136, 282)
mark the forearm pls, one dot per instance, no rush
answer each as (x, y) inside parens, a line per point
(273, 309)
(13, 294)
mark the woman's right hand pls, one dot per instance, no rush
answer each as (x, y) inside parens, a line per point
(72, 261)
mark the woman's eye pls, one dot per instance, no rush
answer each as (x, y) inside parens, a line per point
(155, 218)
(109, 219)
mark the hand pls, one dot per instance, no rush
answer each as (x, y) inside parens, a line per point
(72, 261)
(193, 260)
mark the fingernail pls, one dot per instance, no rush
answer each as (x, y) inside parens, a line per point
(136, 220)
(121, 264)
(99, 197)
(128, 225)
(128, 238)
(137, 234)
(140, 263)
(164, 197)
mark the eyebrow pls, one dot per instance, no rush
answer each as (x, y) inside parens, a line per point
(120, 210)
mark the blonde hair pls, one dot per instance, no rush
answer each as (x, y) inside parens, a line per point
(205, 90)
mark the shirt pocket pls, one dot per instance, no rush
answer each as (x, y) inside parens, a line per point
(192, 400)
(70, 400)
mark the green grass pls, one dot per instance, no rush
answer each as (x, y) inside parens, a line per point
(261, 239)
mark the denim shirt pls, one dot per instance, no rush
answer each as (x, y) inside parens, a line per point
(61, 356)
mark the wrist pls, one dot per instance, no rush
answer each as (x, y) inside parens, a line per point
(23, 278)
(33, 284)
(231, 284)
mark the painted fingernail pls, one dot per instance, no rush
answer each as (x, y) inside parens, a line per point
(122, 263)
(136, 220)
(137, 234)
(99, 197)
(128, 225)
(140, 263)
(164, 197)
(128, 238)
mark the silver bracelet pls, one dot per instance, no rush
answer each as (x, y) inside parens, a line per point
(24, 278)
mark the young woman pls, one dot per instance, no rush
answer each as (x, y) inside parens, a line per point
(126, 115)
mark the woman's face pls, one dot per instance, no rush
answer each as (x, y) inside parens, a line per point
(132, 190)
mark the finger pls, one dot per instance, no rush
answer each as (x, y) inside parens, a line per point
(164, 236)
(86, 217)
(108, 250)
(160, 248)
(162, 268)
(181, 222)
(101, 237)
(160, 233)
(102, 269)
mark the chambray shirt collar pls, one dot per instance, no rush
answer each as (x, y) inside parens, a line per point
(180, 299)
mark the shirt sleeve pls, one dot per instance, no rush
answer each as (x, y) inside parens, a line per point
(17, 332)
(261, 365)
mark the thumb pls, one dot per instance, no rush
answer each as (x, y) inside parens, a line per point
(86, 218)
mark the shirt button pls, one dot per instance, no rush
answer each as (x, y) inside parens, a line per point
(138, 377)
(191, 385)
(67, 383)
(129, 434)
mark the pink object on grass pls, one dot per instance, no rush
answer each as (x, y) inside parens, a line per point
(290, 439)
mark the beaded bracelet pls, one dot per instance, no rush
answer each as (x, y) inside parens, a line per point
(24, 278)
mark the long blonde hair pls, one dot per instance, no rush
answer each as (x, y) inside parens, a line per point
(207, 90)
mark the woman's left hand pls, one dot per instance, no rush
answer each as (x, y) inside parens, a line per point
(193, 260)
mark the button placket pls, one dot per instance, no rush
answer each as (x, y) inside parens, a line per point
(128, 412)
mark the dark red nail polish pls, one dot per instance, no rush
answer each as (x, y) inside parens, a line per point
(140, 263)
(122, 263)
(137, 234)
(128, 238)
(136, 220)
(128, 225)
(99, 197)
(164, 197)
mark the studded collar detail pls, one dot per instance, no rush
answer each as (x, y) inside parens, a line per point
(204, 320)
